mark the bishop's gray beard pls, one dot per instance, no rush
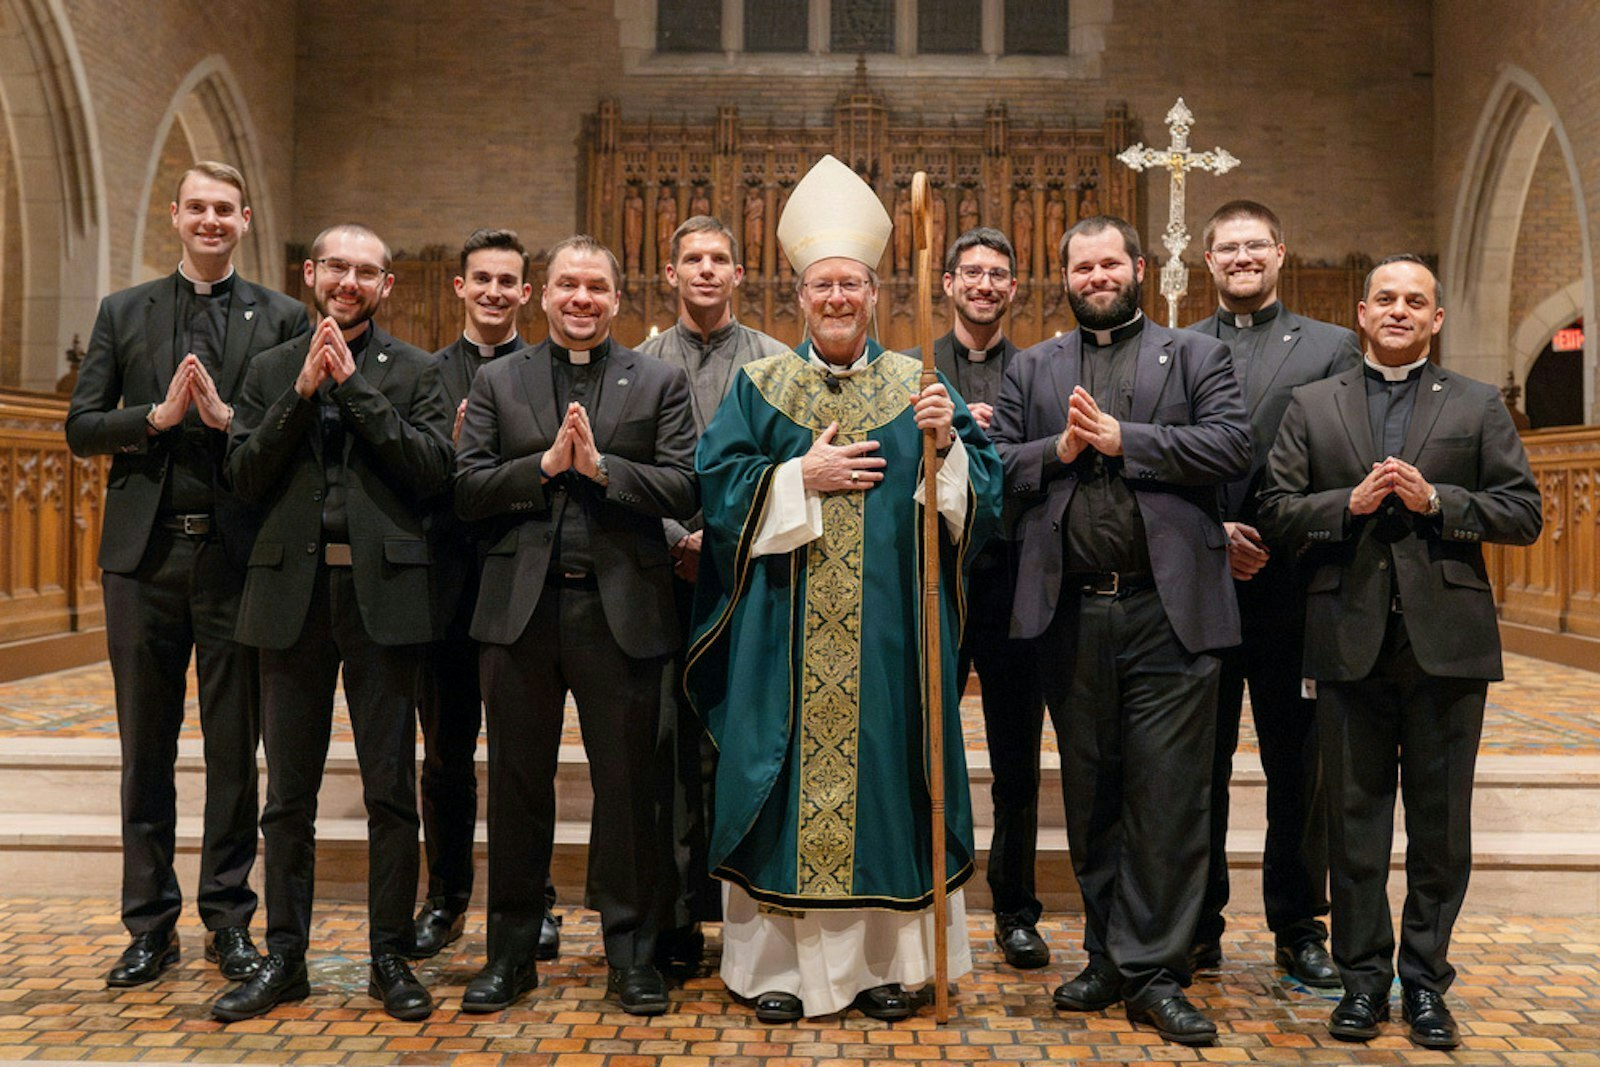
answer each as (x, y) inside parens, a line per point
(1117, 313)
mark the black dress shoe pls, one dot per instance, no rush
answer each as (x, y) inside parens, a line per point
(1205, 956)
(549, 937)
(1176, 1020)
(436, 927)
(235, 955)
(144, 959)
(885, 1002)
(1432, 1025)
(678, 952)
(779, 1008)
(498, 986)
(640, 989)
(1309, 962)
(1357, 1016)
(1097, 987)
(391, 981)
(1024, 949)
(276, 981)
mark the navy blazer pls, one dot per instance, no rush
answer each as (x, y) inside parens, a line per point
(1186, 435)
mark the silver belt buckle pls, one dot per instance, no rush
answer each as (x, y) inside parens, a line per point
(196, 525)
(574, 575)
(1116, 585)
(1394, 605)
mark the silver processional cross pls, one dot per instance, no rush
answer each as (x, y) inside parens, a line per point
(1179, 158)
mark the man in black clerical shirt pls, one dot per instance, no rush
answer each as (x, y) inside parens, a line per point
(980, 278)
(1115, 439)
(572, 451)
(164, 365)
(1274, 351)
(340, 438)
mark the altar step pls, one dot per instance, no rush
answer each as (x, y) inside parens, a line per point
(1536, 819)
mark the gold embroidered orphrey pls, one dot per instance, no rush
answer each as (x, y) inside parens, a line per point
(830, 679)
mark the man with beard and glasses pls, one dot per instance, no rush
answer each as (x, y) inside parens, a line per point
(1274, 351)
(340, 438)
(165, 360)
(980, 278)
(710, 345)
(1115, 438)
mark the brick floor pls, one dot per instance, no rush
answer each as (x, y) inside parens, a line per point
(1528, 993)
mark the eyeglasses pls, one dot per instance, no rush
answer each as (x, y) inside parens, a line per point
(821, 289)
(1231, 249)
(366, 273)
(974, 275)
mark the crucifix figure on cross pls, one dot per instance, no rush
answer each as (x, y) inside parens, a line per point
(1178, 158)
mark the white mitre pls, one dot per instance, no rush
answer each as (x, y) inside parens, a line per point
(832, 212)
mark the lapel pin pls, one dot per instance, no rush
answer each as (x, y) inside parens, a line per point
(1163, 359)
(383, 357)
(1288, 337)
(248, 315)
(622, 381)
(1437, 387)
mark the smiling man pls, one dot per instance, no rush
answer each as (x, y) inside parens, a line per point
(1390, 478)
(806, 663)
(340, 439)
(1115, 440)
(710, 345)
(163, 368)
(572, 452)
(1274, 351)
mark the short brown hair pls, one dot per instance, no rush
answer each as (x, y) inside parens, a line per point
(210, 168)
(482, 238)
(353, 228)
(583, 242)
(1242, 209)
(1098, 224)
(1404, 257)
(703, 224)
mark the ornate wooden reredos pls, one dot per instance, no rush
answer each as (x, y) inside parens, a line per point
(644, 176)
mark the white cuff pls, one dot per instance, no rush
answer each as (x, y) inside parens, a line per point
(952, 490)
(794, 515)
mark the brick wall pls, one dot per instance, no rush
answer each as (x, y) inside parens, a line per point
(1549, 255)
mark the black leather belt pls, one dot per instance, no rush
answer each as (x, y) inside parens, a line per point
(1114, 584)
(192, 525)
(336, 555)
(572, 580)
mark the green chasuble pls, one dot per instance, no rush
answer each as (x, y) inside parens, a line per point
(806, 666)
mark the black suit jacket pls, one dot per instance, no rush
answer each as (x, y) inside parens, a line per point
(397, 455)
(1463, 441)
(644, 426)
(126, 371)
(1187, 435)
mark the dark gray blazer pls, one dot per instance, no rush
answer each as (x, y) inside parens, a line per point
(1187, 435)
(397, 455)
(127, 369)
(1463, 441)
(644, 426)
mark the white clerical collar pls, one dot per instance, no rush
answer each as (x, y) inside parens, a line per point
(838, 372)
(490, 351)
(1103, 338)
(1395, 374)
(204, 288)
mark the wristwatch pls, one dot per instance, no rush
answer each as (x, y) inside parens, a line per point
(1435, 505)
(602, 473)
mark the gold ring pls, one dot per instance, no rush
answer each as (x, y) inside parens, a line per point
(855, 476)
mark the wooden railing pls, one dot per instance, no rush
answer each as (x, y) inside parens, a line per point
(50, 506)
(1554, 584)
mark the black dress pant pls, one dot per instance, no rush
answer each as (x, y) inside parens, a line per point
(450, 708)
(1294, 870)
(568, 646)
(687, 761)
(1398, 720)
(1013, 720)
(297, 685)
(1134, 714)
(183, 597)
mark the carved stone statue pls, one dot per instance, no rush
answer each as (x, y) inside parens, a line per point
(755, 211)
(1055, 221)
(967, 210)
(940, 212)
(1088, 201)
(903, 237)
(1022, 229)
(632, 231)
(666, 222)
(701, 204)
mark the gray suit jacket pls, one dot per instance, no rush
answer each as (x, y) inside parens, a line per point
(397, 454)
(1187, 435)
(644, 426)
(1463, 441)
(127, 369)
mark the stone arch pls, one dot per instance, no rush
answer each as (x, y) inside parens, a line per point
(209, 112)
(1517, 118)
(59, 185)
(1540, 325)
